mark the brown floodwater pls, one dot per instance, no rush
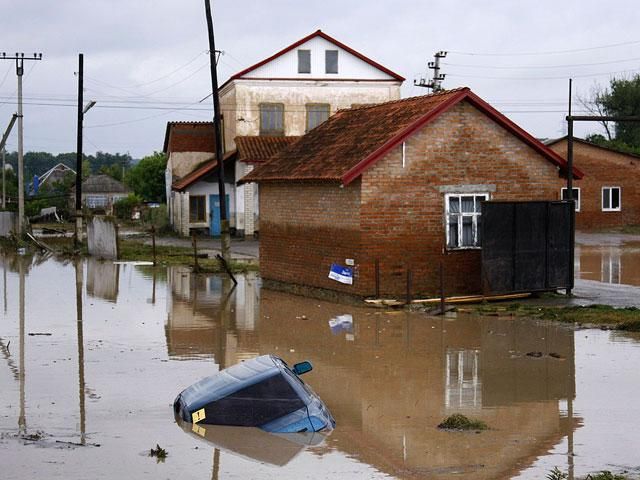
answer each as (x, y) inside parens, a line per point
(92, 355)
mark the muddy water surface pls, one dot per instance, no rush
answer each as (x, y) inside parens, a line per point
(92, 355)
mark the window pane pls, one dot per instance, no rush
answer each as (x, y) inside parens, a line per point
(316, 114)
(331, 61)
(605, 198)
(271, 119)
(453, 231)
(615, 198)
(304, 61)
(467, 231)
(479, 200)
(467, 204)
(454, 205)
(196, 208)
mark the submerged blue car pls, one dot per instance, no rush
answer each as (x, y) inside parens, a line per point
(262, 392)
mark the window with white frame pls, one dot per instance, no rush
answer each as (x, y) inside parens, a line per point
(576, 196)
(611, 199)
(97, 201)
(463, 215)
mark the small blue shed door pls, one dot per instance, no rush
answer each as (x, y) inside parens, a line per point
(214, 212)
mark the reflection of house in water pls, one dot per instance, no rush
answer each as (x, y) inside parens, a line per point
(609, 263)
(207, 316)
(400, 375)
(103, 278)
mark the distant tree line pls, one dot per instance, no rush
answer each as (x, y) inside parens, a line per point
(37, 163)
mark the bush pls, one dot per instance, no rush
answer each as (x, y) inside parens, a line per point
(123, 208)
(158, 217)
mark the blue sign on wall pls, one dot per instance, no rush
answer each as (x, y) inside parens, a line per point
(341, 274)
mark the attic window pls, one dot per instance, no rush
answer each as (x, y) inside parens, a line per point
(331, 61)
(304, 61)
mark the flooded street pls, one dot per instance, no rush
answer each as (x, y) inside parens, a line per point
(92, 355)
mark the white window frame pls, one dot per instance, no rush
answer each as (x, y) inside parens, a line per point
(610, 188)
(564, 189)
(474, 215)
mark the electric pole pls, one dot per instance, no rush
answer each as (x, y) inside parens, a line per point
(4, 151)
(20, 58)
(224, 221)
(78, 238)
(435, 84)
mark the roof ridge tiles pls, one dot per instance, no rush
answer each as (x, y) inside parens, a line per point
(406, 100)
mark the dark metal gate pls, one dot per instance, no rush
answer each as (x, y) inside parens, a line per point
(527, 246)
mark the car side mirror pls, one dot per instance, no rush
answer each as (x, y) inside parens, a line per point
(302, 368)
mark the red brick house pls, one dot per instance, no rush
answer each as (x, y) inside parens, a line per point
(608, 196)
(397, 185)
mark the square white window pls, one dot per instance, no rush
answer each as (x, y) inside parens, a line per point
(611, 199)
(463, 215)
(576, 196)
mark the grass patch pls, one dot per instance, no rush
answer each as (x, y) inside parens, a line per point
(169, 255)
(605, 316)
(458, 421)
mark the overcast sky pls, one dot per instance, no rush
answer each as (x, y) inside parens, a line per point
(146, 61)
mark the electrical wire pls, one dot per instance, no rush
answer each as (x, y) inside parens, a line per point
(535, 67)
(561, 77)
(170, 73)
(550, 52)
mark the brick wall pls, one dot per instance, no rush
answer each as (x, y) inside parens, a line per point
(304, 228)
(395, 213)
(603, 168)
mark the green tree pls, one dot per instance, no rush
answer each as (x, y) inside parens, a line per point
(147, 177)
(622, 98)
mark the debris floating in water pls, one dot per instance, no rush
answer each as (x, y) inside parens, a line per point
(158, 452)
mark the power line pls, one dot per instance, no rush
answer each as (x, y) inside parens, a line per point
(535, 67)
(561, 77)
(550, 52)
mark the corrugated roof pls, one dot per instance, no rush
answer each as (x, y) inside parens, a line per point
(103, 184)
(317, 33)
(189, 137)
(350, 141)
(259, 149)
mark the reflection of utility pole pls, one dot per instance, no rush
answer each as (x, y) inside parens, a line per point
(435, 84)
(20, 58)
(79, 325)
(3, 142)
(153, 291)
(22, 422)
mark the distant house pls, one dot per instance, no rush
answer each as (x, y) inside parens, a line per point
(286, 94)
(100, 192)
(194, 198)
(52, 176)
(395, 186)
(608, 195)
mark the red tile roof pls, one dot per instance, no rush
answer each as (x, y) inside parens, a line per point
(189, 137)
(260, 149)
(317, 33)
(200, 172)
(344, 146)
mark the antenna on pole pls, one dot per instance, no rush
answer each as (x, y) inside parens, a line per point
(435, 84)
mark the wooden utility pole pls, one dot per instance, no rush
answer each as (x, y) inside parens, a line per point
(4, 151)
(20, 58)
(224, 221)
(78, 238)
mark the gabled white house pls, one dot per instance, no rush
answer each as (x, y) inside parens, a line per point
(288, 94)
